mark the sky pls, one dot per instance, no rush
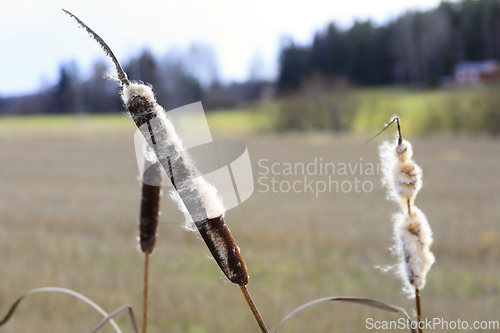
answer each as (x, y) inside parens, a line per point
(36, 36)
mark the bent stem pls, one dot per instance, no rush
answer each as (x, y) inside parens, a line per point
(400, 137)
(255, 312)
(145, 292)
(419, 313)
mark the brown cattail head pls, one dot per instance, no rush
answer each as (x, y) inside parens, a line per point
(197, 198)
(150, 207)
(226, 253)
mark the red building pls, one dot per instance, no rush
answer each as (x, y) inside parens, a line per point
(476, 71)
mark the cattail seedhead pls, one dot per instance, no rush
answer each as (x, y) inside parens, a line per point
(194, 195)
(150, 206)
(400, 174)
(413, 236)
(226, 253)
(219, 241)
(197, 198)
(412, 232)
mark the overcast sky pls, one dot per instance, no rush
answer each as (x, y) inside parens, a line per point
(35, 36)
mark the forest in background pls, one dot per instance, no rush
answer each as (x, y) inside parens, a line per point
(418, 48)
(414, 50)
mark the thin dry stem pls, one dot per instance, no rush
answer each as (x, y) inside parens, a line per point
(255, 312)
(400, 137)
(145, 293)
(419, 313)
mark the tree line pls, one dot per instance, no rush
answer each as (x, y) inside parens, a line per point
(178, 78)
(417, 48)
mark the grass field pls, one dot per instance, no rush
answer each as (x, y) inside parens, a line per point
(426, 111)
(69, 206)
(470, 110)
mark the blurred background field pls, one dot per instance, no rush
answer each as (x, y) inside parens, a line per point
(69, 204)
(334, 108)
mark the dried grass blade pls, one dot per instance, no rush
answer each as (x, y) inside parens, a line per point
(115, 313)
(358, 300)
(122, 76)
(59, 290)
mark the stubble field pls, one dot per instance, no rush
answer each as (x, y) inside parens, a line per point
(69, 206)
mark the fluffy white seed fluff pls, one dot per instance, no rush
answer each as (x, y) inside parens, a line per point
(189, 223)
(400, 174)
(193, 195)
(212, 201)
(413, 236)
(412, 232)
(137, 89)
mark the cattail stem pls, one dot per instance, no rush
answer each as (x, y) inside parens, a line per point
(145, 292)
(419, 313)
(400, 136)
(255, 312)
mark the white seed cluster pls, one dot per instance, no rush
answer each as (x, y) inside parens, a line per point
(412, 232)
(193, 195)
(400, 174)
(413, 236)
